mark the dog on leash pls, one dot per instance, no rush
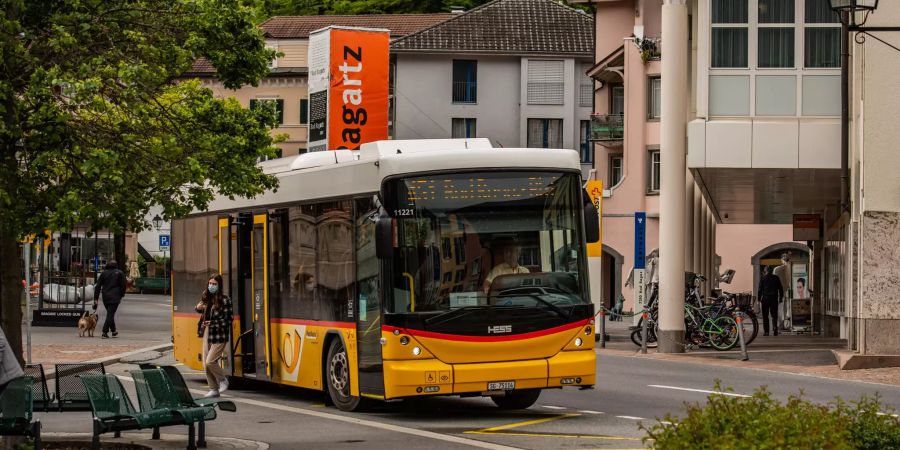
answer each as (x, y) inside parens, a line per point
(87, 323)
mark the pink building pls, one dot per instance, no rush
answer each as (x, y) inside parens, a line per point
(626, 135)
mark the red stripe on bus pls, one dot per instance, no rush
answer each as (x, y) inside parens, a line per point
(318, 323)
(512, 337)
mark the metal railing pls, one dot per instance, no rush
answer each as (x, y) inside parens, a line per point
(465, 92)
(607, 127)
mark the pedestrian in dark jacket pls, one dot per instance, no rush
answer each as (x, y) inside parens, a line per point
(111, 285)
(770, 293)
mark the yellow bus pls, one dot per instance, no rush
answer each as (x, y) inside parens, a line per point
(404, 269)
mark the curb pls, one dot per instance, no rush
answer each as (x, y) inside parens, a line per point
(113, 359)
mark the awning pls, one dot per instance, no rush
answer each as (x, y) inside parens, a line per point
(610, 68)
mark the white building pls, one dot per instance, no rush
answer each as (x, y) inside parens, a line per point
(512, 71)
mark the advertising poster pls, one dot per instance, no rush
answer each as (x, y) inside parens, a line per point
(801, 303)
(348, 87)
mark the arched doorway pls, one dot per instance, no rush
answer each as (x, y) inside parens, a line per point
(612, 275)
(771, 255)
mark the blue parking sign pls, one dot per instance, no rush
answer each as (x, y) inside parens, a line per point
(640, 240)
(164, 241)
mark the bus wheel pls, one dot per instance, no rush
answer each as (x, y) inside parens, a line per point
(517, 399)
(337, 374)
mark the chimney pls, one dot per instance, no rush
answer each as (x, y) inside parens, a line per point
(457, 9)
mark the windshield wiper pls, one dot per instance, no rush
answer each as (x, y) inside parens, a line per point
(453, 312)
(553, 307)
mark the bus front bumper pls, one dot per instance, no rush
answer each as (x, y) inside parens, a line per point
(409, 378)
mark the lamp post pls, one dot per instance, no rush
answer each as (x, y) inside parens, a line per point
(847, 11)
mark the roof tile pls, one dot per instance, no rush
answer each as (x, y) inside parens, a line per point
(508, 26)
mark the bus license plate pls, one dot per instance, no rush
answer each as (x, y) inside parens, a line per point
(501, 386)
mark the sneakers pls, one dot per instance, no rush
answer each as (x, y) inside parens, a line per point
(212, 394)
(223, 385)
(115, 333)
(104, 336)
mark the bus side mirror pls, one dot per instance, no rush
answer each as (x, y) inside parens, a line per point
(384, 237)
(591, 224)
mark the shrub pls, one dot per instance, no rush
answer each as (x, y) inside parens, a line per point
(760, 422)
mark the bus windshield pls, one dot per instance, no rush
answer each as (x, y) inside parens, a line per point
(486, 240)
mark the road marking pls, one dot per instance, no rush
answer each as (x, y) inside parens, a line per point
(502, 430)
(704, 391)
(363, 422)
(553, 407)
(631, 417)
(587, 411)
(526, 423)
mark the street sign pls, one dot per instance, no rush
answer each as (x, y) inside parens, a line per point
(595, 191)
(165, 241)
(640, 282)
(640, 240)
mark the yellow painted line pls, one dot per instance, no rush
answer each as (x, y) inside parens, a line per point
(525, 423)
(553, 435)
(318, 405)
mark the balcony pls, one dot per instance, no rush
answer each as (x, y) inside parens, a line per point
(465, 92)
(607, 127)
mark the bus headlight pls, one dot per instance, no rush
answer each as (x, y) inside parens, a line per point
(404, 340)
(578, 342)
(587, 330)
(417, 351)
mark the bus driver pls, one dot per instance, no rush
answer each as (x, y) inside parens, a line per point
(509, 266)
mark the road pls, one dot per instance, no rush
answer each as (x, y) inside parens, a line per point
(631, 391)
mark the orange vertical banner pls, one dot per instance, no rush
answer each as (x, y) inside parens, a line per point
(358, 88)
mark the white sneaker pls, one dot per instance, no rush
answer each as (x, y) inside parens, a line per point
(223, 385)
(212, 393)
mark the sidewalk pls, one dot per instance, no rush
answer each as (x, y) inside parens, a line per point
(143, 441)
(144, 322)
(798, 354)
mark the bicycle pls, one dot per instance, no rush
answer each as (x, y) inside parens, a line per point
(710, 325)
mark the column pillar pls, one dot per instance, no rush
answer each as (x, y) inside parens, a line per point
(712, 259)
(698, 216)
(688, 221)
(707, 256)
(673, 136)
(704, 241)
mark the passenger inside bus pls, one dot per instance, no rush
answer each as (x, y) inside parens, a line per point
(508, 266)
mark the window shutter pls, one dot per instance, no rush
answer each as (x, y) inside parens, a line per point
(304, 111)
(546, 82)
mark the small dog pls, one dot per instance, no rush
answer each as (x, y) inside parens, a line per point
(87, 323)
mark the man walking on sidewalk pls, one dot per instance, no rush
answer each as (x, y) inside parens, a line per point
(770, 293)
(111, 285)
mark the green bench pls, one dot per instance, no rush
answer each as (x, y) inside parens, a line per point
(16, 411)
(152, 284)
(114, 412)
(184, 393)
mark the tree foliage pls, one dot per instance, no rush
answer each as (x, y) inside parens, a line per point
(97, 124)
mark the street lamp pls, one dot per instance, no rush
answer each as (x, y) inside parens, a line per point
(157, 222)
(853, 5)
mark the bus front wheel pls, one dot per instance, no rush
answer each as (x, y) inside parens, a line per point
(337, 375)
(517, 399)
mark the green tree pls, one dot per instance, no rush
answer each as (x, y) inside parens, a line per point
(96, 125)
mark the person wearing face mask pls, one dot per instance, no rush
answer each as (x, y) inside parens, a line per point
(216, 314)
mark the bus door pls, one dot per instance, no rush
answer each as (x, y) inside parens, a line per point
(368, 325)
(259, 288)
(227, 246)
(241, 286)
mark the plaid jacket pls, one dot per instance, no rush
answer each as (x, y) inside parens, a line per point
(219, 322)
